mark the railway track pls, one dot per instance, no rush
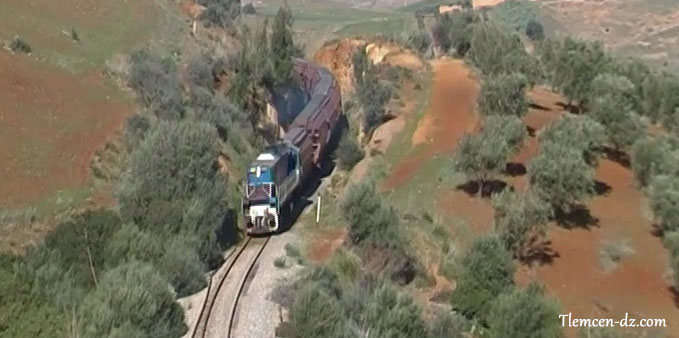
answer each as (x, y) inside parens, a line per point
(222, 298)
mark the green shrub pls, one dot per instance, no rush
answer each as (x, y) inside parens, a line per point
(18, 44)
(535, 31)
(664, 195)
(525, 314)
(653, 156)
(280, 262)
(671, 242)
(369, 220)
(220, 13)
(348, 153)
(448, 325)
(487, 271)
(315, 313)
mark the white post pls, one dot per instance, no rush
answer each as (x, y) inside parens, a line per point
(318, 209)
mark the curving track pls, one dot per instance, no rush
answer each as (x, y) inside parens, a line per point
(218, 313)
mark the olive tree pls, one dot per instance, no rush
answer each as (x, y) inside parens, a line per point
(623, 126)
(671, 242)
(526, 313)
(487, 271)
(504, 94)
(496, 52)
(560, 176)
(519, 220)
(664, 195)
(575, 66)
(510, 128)
(653, 156)
(481, 157)
(580, 133)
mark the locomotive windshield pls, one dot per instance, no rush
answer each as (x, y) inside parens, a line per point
(259, 175)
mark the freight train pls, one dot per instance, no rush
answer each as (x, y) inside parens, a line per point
(283, 168)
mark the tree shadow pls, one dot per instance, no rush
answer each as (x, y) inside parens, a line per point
(536, 106)
(618, 156)
(601, 188)
(515, 169)
(489, 188)
(657, 230)
(540, 252)
(531, 131)
(571, 108)
(578, 216)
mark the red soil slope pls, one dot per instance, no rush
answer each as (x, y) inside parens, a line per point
(449, 116)
(51, 122)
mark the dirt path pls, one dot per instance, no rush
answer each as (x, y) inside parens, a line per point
(450, 115)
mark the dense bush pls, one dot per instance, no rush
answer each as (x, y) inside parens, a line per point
(664, 195)
(348, 153)
(24, 314)
(453, 31)
(497, 52)
(220, 12)
(186, 194)
(525, 314)
(156, 82)
(487, 271)
(535, 31)
(132, 300)
(372, 93)
(369, 220)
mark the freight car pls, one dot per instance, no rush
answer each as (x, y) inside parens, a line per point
(283, 168)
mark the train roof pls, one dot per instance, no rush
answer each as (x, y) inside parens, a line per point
(271, 154)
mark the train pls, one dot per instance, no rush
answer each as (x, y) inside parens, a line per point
(283, 168)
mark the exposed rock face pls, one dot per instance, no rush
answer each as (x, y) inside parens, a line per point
(337, 56)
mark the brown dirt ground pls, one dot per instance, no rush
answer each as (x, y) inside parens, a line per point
(52, 122)
(326, 243)
(638, 285)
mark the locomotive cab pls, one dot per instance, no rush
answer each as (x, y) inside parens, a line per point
(260, 207)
